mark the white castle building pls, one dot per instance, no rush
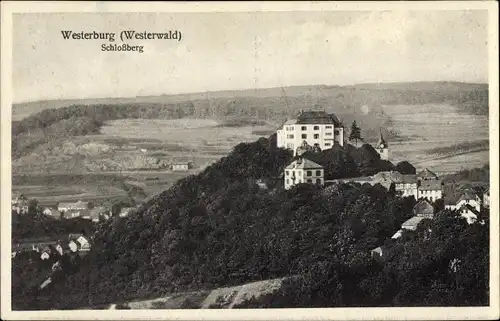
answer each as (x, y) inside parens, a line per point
(316, 128)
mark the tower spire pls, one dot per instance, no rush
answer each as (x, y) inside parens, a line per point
(382, 143)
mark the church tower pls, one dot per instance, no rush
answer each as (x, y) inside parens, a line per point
(382, 148)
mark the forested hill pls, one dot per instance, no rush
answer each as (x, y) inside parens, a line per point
(468, 97)
(220, 228)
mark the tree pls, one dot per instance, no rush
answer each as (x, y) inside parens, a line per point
(33, 206)
(355, 132)
(405, 168)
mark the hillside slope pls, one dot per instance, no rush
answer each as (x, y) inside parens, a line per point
(219, 229)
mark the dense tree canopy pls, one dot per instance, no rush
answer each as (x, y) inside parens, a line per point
(219, 228)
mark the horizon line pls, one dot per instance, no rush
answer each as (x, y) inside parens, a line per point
(249, 89)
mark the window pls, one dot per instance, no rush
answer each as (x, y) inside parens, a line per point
(328, 134)
(290, 136)
(336, 131)
(328, 144)
(309, 173)
(318, 173)
(328, 127)
(316, 127)
(287, 181)
(304, 136)
(316, 136)
(318, 181)
(304, 127)
(309, 181)
(287, 173)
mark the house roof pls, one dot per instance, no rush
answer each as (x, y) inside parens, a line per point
(303, 163)
(412, 223)
(423, 207)
(316, 117)
(468, 195)
(378, 250)
(73, 204)
(431, 185)
(398, 234)
(427, 174)
(393, 176)
(470, 208)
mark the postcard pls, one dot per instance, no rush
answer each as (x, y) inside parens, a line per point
(249, 160)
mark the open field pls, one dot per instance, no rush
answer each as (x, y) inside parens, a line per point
(133, 150)
(436, 130)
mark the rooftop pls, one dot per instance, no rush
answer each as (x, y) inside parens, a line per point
(468, 195)
(303, 163)
(431, 185)
(412, 223)
(423, 207)
(427, 174)
(314, 117)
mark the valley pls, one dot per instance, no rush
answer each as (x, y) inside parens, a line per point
(440, 125)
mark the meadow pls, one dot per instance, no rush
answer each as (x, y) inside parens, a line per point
(430, 135)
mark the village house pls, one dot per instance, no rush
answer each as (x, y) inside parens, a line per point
(46, 253)
(486, 198)
(467, 197)
(98, 213)
(316, 128)
(78, 243)
(378, 252)
(126, 211)
(52, 212)
(183, 166)
(69, 214)
(429, 185)
(470, 213)
(72, 206)
(19, 203)
(382, 148)
(424, 209)
(303, 170)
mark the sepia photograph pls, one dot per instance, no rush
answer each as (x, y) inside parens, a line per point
(278, 160)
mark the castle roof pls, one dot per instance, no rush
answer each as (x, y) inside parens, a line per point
(314, 117)
(303, 163)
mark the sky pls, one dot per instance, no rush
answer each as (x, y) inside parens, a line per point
(220, 51)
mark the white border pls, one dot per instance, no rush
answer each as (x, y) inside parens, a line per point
(8, 8)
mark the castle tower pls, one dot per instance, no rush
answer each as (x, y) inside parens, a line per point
(382, 148)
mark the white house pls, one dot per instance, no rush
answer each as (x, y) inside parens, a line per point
(469, 212)
(74, 206)
(180, 167)
(303, 170)
(429, 186)
(467, 197)
(316, 128)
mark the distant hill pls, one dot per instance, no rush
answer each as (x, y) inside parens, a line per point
(468, 97)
